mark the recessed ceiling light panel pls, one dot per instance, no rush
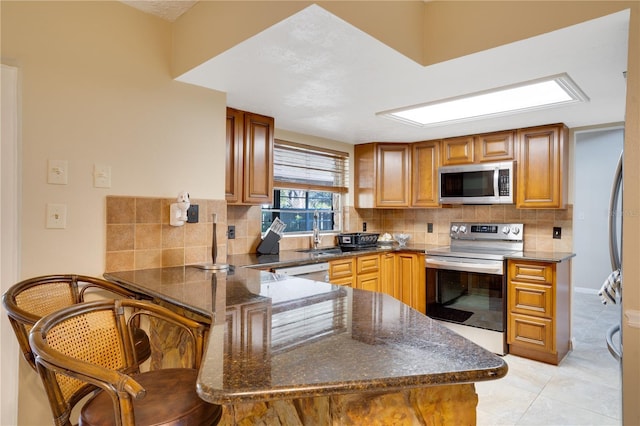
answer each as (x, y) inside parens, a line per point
(536, 94)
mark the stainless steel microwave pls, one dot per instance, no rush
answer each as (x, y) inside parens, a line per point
(488, 183)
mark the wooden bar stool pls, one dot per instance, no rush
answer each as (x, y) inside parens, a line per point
(90, 344)
(29, 300)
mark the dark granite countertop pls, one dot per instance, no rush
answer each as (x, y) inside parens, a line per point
(310, 338)
(543, 256)
(296, 257)
(293, 257)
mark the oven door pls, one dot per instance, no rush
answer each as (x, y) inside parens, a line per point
(469, 292)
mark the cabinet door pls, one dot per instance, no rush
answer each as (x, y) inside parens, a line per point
(258, 159)
(457, 151)
(425, 158)
(388, 283)
(494, 147)
(393, 179)
(542, 167)
(410, 274)
(233, 170)
(369, 282)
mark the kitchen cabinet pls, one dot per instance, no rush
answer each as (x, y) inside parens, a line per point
(425, 158)
(382, 175)
(396, 175)
(538, 314)
(496, 146)
(342, 272)
(388, 282)
(411, 279)
(368, 272)
(249, 158)
(542, 172)
(457, 151)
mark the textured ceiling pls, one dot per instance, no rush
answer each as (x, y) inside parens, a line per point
(318, 75)
(169, 10)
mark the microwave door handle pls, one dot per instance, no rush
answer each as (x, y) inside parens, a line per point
(496, 182)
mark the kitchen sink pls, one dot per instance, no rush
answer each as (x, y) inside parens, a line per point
(326, 251)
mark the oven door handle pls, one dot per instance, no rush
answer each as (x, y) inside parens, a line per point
(494, 268)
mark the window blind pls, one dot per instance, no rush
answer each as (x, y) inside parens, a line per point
(309, 167)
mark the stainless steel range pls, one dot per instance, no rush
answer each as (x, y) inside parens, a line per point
(466, 282)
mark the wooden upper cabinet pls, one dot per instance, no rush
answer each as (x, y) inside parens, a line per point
(249, 158)
(393, 178)
(457, 151)
(494, 147)
(382, 175)
(542, 169)
(425, 159)
(233, 169)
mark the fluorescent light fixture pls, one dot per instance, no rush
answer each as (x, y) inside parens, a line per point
(531, 95)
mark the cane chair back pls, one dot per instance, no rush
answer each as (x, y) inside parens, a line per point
(90, 344)
(29, 300)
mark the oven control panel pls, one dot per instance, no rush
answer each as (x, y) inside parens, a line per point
(486, 231)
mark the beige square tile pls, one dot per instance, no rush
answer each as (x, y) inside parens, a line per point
(148, 236)
(195, 234)
(148, 210)
(172, 236)
(120, 210)
(148, 259)
(172, 257)
(196, 255)
(119, 261)
(120, 237)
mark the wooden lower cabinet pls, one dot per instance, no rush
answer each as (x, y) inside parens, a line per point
(410, 276)
(342, 272)
(539, 315)
(368, 272)
(398, 274)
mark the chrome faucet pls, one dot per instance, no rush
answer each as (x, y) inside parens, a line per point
(316, 230)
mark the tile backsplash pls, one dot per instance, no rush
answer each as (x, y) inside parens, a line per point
(538, 225)
(139, 236)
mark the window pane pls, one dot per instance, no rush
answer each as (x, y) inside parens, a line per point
(296, 208)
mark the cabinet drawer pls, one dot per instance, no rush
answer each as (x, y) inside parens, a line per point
(533, 272)
(347, 281)
(531, 299)
(531, 332)
(367, 264)
(341, 269)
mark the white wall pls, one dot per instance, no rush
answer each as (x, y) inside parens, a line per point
(596, 156)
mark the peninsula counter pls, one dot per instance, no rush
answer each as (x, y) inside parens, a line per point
(286, 350)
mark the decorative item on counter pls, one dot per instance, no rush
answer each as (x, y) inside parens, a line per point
(270, 243)
(178, 211)
(386, 240)
(214, 252)
(402, 239)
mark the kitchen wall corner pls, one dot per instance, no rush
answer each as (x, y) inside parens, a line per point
(138, 234)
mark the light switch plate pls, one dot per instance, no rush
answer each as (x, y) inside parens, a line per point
(101, 176)
(56, 216)
(57, 172)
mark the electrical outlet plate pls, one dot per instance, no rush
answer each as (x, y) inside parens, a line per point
(231, 232)
(193, 213)
(557, 232)
(56, 216)
(57, 172)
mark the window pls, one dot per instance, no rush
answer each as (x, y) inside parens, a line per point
(307, 179)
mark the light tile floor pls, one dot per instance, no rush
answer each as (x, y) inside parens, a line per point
(585, 389)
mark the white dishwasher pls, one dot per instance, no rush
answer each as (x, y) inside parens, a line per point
(312, 271)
